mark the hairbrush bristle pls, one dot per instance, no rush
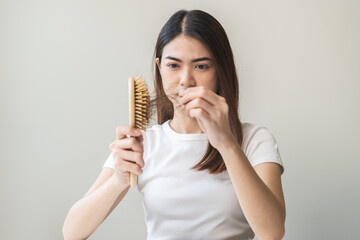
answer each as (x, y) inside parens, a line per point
(142, 100)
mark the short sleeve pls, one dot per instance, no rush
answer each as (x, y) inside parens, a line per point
(110, 161)
(262, 147)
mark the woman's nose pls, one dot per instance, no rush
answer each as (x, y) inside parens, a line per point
(187, 79)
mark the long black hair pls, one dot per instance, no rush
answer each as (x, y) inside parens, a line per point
(205, 28)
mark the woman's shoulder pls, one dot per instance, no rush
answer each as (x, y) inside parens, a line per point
(259, 144)
(257, 135)
(251, 130)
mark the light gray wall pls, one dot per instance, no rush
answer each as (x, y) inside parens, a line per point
(64, 67)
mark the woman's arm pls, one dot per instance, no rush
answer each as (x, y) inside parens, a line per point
(109, 188)
(90, 211)
(259, 192)
(258, 189)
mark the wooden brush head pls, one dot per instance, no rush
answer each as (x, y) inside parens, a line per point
(139, 103)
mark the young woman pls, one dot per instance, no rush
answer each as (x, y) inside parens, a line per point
(202, 174)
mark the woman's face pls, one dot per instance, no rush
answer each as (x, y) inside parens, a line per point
(186, 62)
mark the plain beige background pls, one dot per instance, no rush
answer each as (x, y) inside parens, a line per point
(64, 67)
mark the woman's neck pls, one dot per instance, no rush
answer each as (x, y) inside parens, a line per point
(183, 123)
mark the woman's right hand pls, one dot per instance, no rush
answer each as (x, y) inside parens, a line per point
(128, 153)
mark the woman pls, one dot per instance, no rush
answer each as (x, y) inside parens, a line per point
(202, 173)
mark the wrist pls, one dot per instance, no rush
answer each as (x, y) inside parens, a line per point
(230, 144)
(117, 183)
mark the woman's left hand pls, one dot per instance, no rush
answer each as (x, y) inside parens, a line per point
(211, 113)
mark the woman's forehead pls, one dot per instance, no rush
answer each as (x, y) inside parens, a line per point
(186, 48)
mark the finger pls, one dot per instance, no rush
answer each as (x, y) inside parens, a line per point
(140, 141)
(126, 166)
(127, 143)
(199, 113)
(141, 146)
(200, 103)
(136, 157)
(132, 167)
(201, 124)
(202, 92)
(140, 138)
(122, 131)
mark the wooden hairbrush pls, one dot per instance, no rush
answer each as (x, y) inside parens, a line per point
(139, 110)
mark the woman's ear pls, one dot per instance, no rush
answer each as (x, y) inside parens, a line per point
(157, 60)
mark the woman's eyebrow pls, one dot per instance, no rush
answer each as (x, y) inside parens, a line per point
(194, 60)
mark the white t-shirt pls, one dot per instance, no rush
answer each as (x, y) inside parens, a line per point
(180, 203)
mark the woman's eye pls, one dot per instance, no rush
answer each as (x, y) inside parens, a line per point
(202, 66)
(173, 65)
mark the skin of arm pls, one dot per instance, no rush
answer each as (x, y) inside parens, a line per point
(259, 192)
(85, 216)
(92, 209)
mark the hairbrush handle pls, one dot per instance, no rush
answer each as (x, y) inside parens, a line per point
(132, 119)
